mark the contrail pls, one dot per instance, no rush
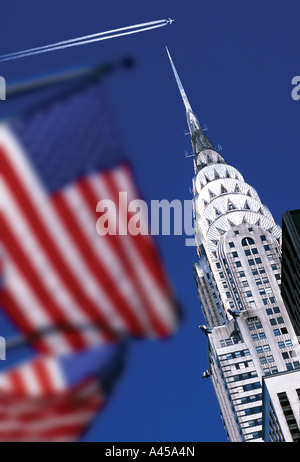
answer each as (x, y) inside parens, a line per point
(87, 39)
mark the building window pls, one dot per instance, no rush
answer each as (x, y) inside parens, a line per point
(238, 264)
(234, 254)
(261, 349)
(289, 416)
(263, 238)
(231, 245)
(273, 322)
(247, 241)
(251, 262)
(276, 332)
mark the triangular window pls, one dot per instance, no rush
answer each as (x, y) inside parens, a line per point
(223, 190)
(221, 231)
(230, 205)
(211, 194)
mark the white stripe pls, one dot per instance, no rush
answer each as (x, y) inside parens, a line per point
(105, 253)
(62, 239)
(5, 384)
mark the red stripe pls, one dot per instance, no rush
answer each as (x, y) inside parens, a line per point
(15, 378)
(98, 269)
(48, 245)
(37, 286)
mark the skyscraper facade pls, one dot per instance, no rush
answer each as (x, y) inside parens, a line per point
(290, 288)
(249, 332)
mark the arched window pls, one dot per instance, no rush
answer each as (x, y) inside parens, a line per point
(247, 241)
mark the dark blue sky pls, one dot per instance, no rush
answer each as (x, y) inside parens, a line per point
(236, 60)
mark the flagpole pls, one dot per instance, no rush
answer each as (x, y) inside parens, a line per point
(93, 72)
(22, 340)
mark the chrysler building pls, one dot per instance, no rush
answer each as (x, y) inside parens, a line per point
(253, 351)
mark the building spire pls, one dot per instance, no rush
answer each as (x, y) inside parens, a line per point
(180, 86)
(198, 138)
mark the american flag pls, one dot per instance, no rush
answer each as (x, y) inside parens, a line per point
(67, 289)
(54, 398)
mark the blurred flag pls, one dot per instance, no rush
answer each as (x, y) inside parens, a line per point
(54, 398)
(66, 288)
